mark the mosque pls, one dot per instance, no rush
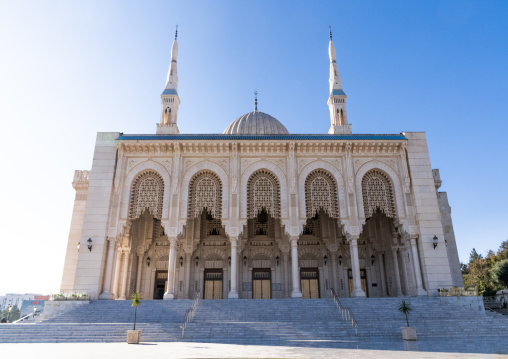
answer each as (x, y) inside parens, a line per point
(259, 213)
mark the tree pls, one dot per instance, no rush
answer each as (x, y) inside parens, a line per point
(15, 313)
(136, 302)
(499, 274)
(405, 308)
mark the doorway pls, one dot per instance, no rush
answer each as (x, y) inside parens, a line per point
(161, 284)
(213, 284)
(363, 278)
(261, 283)
(309, 282)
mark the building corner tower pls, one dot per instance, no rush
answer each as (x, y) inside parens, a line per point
(169, 97)
(337, 99)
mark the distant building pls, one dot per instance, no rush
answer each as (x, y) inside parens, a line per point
(257, 212)
(15, 299)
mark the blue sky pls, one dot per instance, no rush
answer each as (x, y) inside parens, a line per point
(71, 69)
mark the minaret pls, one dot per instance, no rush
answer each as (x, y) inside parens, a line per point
(169, 98)
(337, 99)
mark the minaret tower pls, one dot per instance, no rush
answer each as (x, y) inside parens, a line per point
(337, 99)
(169, 98)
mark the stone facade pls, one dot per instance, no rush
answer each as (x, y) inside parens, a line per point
(260, 214)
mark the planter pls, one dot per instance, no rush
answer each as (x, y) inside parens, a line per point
(409, 333)
(133, 336)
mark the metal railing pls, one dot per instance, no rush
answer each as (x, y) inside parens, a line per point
(28, 316)
(345, 312)
(189, 313)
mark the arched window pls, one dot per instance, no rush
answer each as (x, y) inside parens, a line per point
(205, 192)
(377, 194)
(263, 192)
(147, 192)
(321, 194)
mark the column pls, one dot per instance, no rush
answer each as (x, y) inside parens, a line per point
(173, 243)
(233, 293)
(416, 264)
(286, 274)
(124, 276)
(334, 273)
(382, 274)
(116, 281)
(188, 274)
(138, 276)
(355, 262)
(397, 274)
(296, 293)
(108, 291)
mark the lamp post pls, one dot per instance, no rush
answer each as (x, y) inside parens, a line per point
(9, 315)
(35, 309)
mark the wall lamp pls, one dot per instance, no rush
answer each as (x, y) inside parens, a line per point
(229, 261)
(181, 261)
(434, 241)
(148, 261)
(78, 245)
(278, 260)
(372, 259)
(245, 260)
(325, 258)
(89, 242)
(340, 260)
(197, 261)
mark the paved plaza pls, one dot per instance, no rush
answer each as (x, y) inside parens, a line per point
(495, 347)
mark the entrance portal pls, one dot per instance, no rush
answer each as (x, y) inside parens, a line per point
(309, 282)
(213, 284)
(161, 284)
(363, 277)
(261, 284)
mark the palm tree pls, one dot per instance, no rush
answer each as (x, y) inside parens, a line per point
(136, 302)
(405, 308)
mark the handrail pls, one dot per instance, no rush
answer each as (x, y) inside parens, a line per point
(189, 313)
(26, 316)
(345, 312)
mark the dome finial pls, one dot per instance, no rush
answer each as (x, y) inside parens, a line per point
(330, 31)
(255, 100)
(176, 32)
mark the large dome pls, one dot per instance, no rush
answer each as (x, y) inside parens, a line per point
(256, 123)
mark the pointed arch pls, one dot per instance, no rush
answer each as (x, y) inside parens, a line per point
(205, 192)
(321, 193)
(147, 191)
(263, 191)
(377, 191)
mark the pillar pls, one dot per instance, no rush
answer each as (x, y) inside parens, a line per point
(188, 275)
(286, 274)
(384, 291)
(397, 274)
(108, 291)
(138, 276)
(173, 243)
(334, 272)
(416, 263)
(296, 293)
(233, 293)
(355, 262)
(124, 275)
(116, 281)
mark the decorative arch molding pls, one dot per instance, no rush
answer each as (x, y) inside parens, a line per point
(277, 172)
(394, 179)
(339, 180)
(184, 189)
(306, 253)
(261, 254)
(132, 174)
(321, 194)
(263, 192)
(162, 262)
(215, 255)
(205, 192)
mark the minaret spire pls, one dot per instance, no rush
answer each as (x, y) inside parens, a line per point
(169, 97)
(255, 101)
(337, 99)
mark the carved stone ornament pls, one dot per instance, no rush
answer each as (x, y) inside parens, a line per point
(302, 162)
(321, 194)
(377, 194)
(147, 192)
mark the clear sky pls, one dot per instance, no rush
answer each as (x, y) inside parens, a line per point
(71, 69)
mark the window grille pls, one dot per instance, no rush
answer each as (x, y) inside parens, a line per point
(147, 192)
(377, 194)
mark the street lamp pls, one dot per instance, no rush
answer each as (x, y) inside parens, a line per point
(325, 258)
(89, 241)
(372, 259)
(278, 260)
(197, 261)
(35, 309)
(229, 261)
(9, 315)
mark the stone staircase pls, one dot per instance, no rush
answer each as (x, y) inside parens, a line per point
(293, 322)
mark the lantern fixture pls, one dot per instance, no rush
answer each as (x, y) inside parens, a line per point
(89, 242)
(434, 241)
(78, 245)
(245, 260)
(340, 260)
(229, 261)
(181, 261)
(197, 261)
(148, 261)
(325, 258)
(372, 259)
(278, 260)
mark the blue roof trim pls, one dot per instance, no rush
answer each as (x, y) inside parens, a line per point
(222, 137)
(338, 93)
(170, 92)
